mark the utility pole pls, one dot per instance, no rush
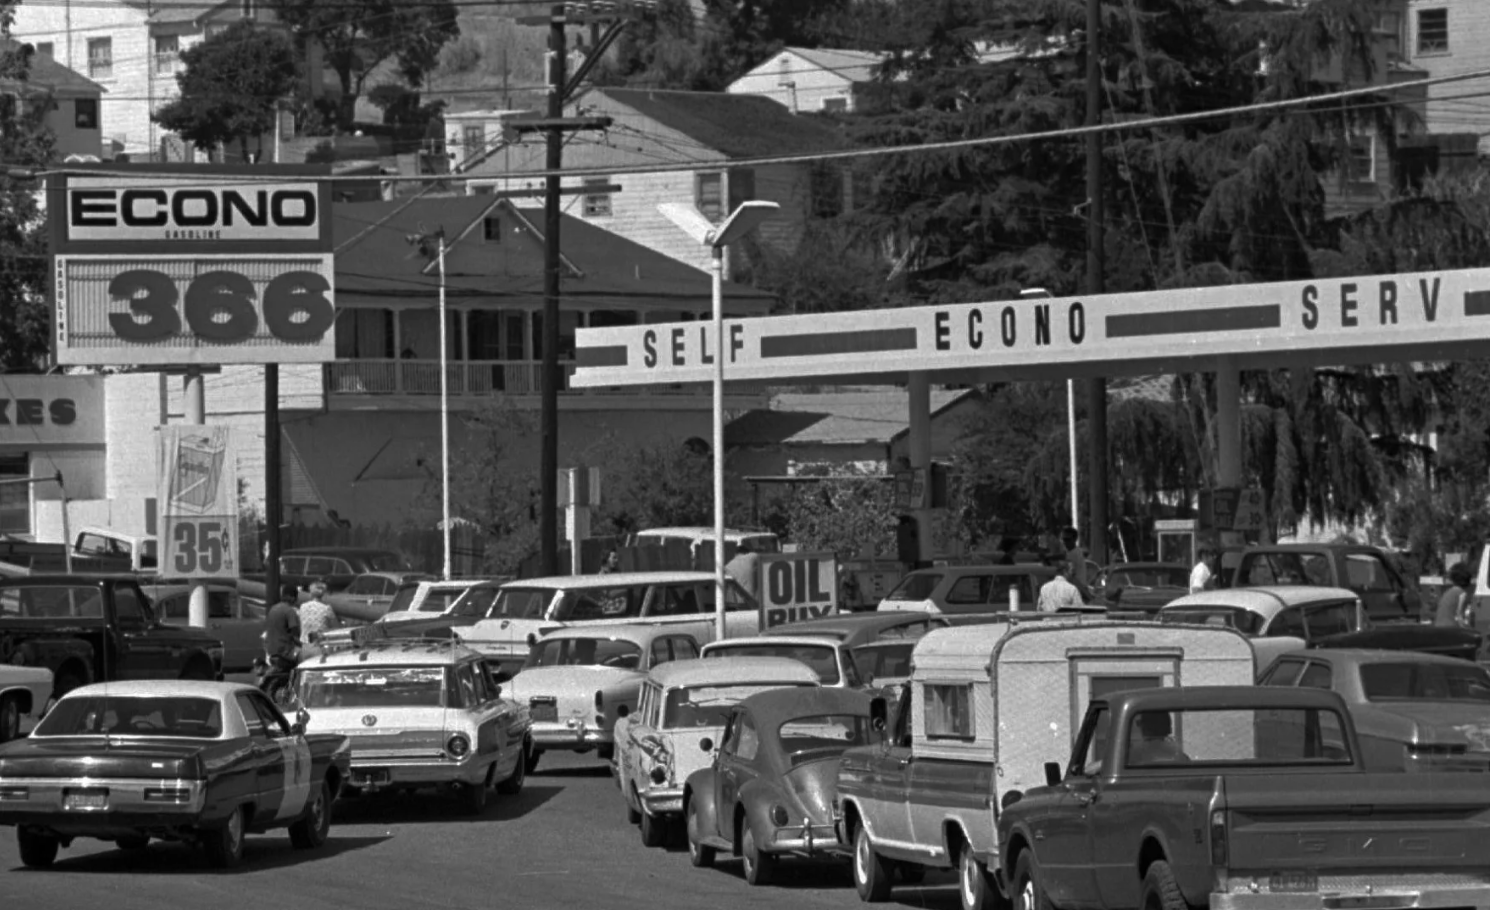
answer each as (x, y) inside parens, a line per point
(554, 126)
(1096, 406)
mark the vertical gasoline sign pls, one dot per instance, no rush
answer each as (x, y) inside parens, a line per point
(199, 502)
(797, 586)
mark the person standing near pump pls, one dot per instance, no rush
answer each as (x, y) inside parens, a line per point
(1456, 604)
(282, 630)
(316, 616)
(1203, 576)
(1059, 593)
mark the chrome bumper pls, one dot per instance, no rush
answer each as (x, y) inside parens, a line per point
(663, 800)
(369, 772)
(572, 734)
(809, 839)
(1427, 898)
(42, 795)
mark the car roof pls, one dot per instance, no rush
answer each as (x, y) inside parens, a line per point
(162, 688)
(1359, 656)
(639, 633)
(778, 705)
(1266, 601)
(340, 551)
(887, 643)
(403, 651)
(1179, 698)
(701, 533)
(1124, 566)
(849, 625)
(716, 671)
(402, 575)
(435, 584)
(612, 579)
(800, 641)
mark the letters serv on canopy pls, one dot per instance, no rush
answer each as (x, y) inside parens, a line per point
(1337, 320)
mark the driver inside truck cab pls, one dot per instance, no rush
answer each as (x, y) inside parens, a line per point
(1151, 740)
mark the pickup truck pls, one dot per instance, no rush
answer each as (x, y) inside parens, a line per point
(1365, 570)
(97, 628)
(93, 550)
(1239, 798)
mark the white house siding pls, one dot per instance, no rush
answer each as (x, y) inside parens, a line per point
(1468, 51)
(799, 84)
(64, 125)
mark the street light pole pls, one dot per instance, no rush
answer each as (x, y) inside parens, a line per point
(444, 410)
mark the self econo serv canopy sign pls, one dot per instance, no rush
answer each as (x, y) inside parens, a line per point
(1358, 319)
(182, 264)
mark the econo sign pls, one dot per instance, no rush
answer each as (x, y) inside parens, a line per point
(153, 267)
(1337, 320)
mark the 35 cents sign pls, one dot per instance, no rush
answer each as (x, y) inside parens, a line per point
(199, 502)
(154, 268)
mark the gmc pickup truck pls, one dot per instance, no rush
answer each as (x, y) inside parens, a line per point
(1367, 571)
(92, 550)
(97, 628)
(1239, 798)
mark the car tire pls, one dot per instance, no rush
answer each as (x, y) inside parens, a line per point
(224, 845)
(1027, 892)
(513, 784)
(1161, 890)
(133, 842)
(633, 808)
(654, 830)
(871, 872)
(974, 885)
(531, 761)
(38, 851)
(473, 796)
(758, 866)
(10, 718)
(310, 831)
(701, 855)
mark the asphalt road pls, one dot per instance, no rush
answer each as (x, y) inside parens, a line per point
(562, 843)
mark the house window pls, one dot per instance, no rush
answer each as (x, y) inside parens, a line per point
(1361, 168)
(741, 186)
(1433, 31)
(708, 195)
(492, 228)
(167, 51)
(949, 711)
(85, 113)
(44, 48)
(783, 70)
(472, 138)
(15, 498)
(216, 28)
(835, 105)
(597, 205)
(100, 58)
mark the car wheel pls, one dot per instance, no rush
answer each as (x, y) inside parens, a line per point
(311, 830)
(699, 854)
(513, 785)
(633, 810)
(133, 842)
(871, 874)
(973, 886)
(758, 865)
(1027, 891)
(473, 796)
(531, 761)
(654, 830)
(10, 718)
(38, 850)
(224, 845)
(1161, 891)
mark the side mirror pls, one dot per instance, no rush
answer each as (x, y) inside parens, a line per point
(1052, 773)
(879, 713)
(706, 744)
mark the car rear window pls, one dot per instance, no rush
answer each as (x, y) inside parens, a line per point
(823, 660)
(915, 587)
(1406, 681)
(374, 687)
(805, 739)
(51, 602)
(1244, 621)
(585, 652)
(93, 715)
(385, 562)
(1237, 736)
(707, 706)
(519, 603)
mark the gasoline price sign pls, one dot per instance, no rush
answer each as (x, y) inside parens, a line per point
(198, 502)
(202, 547)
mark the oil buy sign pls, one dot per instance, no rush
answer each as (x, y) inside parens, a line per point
(797, 586)
(152, 267)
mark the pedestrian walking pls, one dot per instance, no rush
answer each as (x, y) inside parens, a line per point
(1059, 593)
(1456, 603)
(1203, 576)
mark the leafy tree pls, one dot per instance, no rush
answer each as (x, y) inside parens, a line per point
(844, 516)
(660, 49)
(739, 34)
(493, 484)
(360, 36)
(231, 86)
(25, 142)
(669, 482)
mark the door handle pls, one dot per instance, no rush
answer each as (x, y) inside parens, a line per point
(1085, 799)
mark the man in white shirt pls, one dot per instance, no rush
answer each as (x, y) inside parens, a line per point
(1059, 594)
(316, 616)
(1202, 575)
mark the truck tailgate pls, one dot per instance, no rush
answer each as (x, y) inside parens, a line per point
(1357, 822)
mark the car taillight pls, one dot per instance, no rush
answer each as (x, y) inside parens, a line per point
(167, 795)
(1218, 837)
(15, 793)
(458, 745)
(779, 815)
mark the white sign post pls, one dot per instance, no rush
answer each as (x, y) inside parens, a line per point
(795, 587)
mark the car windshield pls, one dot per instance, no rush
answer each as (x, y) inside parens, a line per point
(707, 706)
(915, 587)
(51, 602)
(1404, 681)
(402, 598)
(823, 659)
(439, 600)
(373, 687)
(385, 562)
(805, 739)
(1237, 736)
(95, 715)
(585, 652)
(1244, 621)
(520, 603)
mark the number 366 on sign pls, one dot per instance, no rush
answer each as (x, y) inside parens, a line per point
(216, 310)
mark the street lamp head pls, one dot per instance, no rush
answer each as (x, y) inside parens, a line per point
(706, 233)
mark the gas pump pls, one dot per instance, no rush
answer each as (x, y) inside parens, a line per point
(1177, 540)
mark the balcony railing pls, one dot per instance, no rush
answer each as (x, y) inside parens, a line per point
(476, 377)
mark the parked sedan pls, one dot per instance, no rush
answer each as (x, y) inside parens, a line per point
(579, 681)
(1413, 711)
(1142, 585)
(370, 595)
(776, 772)
(200, 762)
(24, 692)
(854, 629)
(230, 617)
(679, 718)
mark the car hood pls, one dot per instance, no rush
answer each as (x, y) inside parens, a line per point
(1437, 722)
(22, 676)
(506, 633)
(569, 681)
(810, 788)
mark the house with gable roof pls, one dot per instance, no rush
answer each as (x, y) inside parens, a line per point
(71, 102)
(701, 135)
(804, 79)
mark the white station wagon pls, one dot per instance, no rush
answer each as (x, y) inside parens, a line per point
(676, 725)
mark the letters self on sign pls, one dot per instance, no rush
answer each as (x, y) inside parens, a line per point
(155, 267)
(795, 587)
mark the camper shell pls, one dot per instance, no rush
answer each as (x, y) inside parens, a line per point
(983, 709)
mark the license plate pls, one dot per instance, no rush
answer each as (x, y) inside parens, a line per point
(545, 712)
(370, 776)
(1293, 882)
(85, 800)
